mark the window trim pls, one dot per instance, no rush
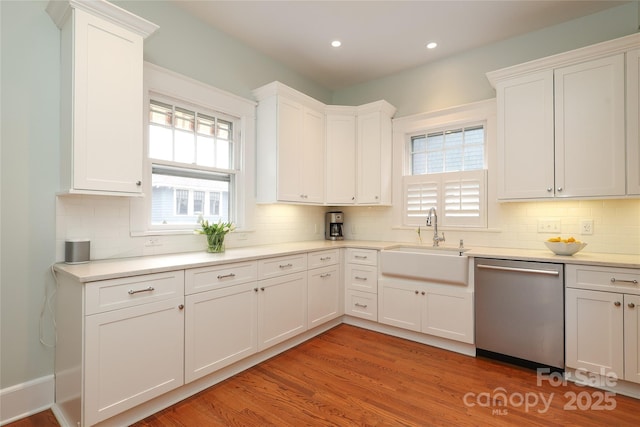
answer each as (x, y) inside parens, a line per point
(463, 115)
(163, 82)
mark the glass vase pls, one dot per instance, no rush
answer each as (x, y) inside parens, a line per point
(215, 243)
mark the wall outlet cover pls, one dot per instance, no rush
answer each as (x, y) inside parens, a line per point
(586, 227)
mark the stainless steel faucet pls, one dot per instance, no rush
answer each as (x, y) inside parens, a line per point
(436, 238)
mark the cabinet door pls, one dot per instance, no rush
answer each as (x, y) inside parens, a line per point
(290, 138)
(632, 338)
(323, 295)
(341, 159)
(311, 160)
(633, 117)
(590, 128)
(282, 309)
(448, 313)
(370, 156)
(594, 331)
(525, 136)
(220, 328)
(132, 355)
(400, 304)
(107, 106)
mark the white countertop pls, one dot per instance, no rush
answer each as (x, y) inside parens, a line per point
(122, 267)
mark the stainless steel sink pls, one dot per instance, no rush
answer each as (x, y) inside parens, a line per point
(433, 264)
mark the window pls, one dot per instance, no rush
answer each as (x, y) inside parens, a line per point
(448, 151)
(447, 172)
(214, 203)
(182, 201)
(198, 138)
(191, 151)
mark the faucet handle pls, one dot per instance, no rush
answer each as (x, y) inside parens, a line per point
(442, 237)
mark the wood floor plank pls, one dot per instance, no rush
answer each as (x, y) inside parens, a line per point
(350, 376)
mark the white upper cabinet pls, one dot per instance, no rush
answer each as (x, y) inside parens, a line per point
(590, 128)
(374, 153)
(309, 152)
(341, 156)
(525, 136)
(101, 97)
(290, 146)
(561, 124)
(633, 115)
(359, 154)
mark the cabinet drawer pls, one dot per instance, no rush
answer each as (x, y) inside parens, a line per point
(107, 295)
(362, 256)
(274, 267)
(362, 278)
(322, 258)
(361, 304)
(608, 279)
(219, 276)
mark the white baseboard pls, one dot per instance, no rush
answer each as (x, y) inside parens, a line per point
(22, 400)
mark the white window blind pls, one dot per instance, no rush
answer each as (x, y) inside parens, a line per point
(459, 198)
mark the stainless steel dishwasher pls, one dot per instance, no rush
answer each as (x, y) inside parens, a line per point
(519, 312)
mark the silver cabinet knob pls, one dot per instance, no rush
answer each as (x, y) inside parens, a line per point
(549, 189)
(138, 183)
(559, 189)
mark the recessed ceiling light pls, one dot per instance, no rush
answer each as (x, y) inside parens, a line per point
(432, 45)
(336, 43)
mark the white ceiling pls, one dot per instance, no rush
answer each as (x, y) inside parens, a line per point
(379, 38)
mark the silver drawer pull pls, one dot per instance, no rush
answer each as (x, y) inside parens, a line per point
(325, 275)
(614, 280)
(360, 278)
(149, 289)
(325, 258)
(360, 256)
(285, 265)
(361, 305)
(225, 276)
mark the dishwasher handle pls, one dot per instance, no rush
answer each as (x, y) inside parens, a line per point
(519, 270)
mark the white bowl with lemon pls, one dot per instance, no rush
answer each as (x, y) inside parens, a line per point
(561, 246)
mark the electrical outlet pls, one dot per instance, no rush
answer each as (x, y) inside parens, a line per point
(549, 226)
(152, 241)
(586, 226)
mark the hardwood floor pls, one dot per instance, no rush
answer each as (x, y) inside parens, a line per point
(354, 377)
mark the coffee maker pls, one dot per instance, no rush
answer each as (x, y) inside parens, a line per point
(333, 226)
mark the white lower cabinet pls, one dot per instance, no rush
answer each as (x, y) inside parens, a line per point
(282, 308)
(132, 355)
(439, 310)
(361, 283)
(602, 321)
(324, 292)
(120, 343)
(220, 328)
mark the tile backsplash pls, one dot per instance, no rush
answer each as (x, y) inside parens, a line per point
(105, 221)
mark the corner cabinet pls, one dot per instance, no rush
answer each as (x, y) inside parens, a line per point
(566, 115)
(312, 153)
(290, 146)
(101, 97)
